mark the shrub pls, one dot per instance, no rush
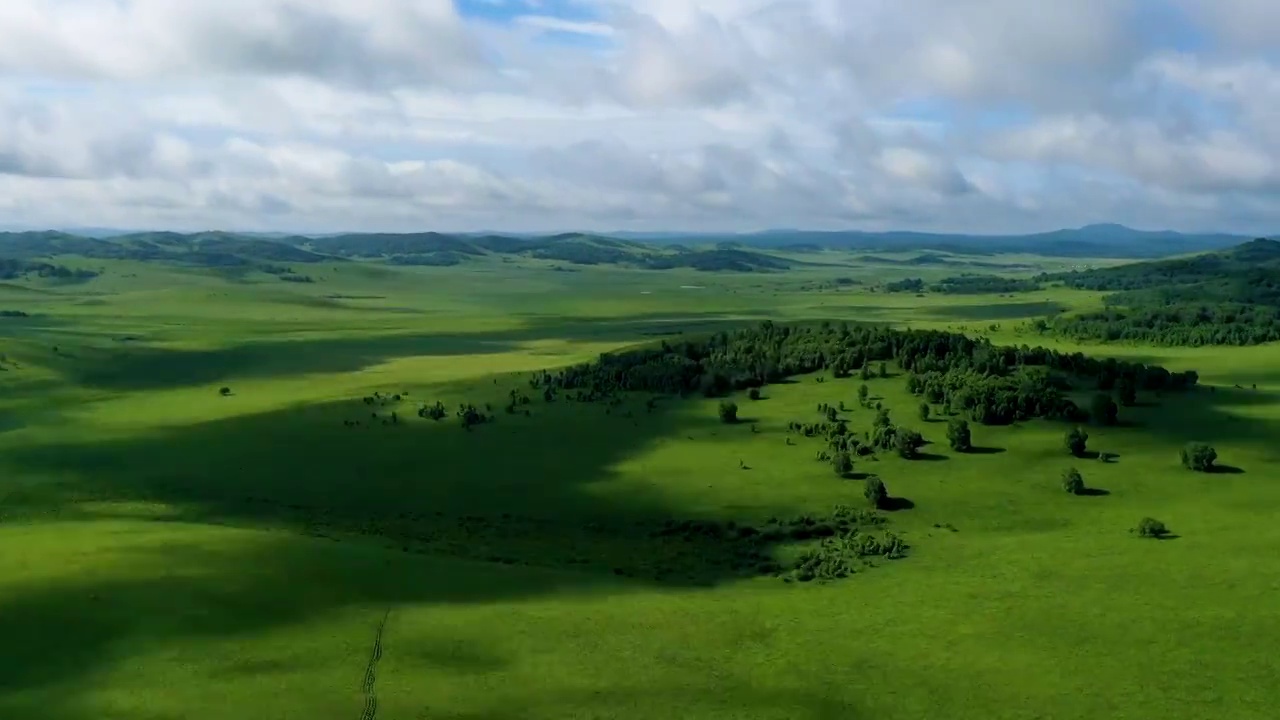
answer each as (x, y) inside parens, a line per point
(753, 394)
(1072, 482)
(842, 463)
(882, 418)
(1103, 409)
(1075, 441)
(1151, 528)
(958, 435)
(728, 412)
(863, 393)
(224, 392)
(925, 411)
(1199, 457)
(875, 492)
(907, 442)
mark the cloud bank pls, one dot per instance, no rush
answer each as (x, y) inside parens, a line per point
(535, 115)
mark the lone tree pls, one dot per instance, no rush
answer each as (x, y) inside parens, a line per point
(842, 463)
(908, 443)
(1075, 441)
(1127, 391)
(875, 493)
(925, 411)
(753, 394)
(224, 392)
(1150, 528)
(958, 435)
(1103, 409)
(863, 393)
(1072, 482)
(728, 412)
(1199, 457)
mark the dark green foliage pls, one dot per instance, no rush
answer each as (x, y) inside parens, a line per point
(1075, 441)
(842, 463)
(925, 411)
(875, 492)
(224, 391)
(1199, 457)
(865, 372)
(983, 284)
(11, 269)
(908, 285)
(881, 419)
(907, 443)
(1073, 482)
(1103, 409)
(13, 314)
(470, 416)
(863, 393)
(1151, 528)
(728, 412)
(753, 394)
(958, 435)
(433, 412)
(1127, 391)
(839, 557)
(882, 370)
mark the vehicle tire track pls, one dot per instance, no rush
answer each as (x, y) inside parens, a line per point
(367, 686)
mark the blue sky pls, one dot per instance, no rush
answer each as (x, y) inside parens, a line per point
(980, 116)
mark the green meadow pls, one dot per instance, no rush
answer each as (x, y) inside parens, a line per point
(171, 550)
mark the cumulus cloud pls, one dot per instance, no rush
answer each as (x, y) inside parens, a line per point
(980, 115)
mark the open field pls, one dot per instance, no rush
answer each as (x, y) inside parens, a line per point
(171, 552)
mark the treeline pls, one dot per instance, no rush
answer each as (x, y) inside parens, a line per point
(13, 269)
(990, 383)
(1178, 325)
(966, 285)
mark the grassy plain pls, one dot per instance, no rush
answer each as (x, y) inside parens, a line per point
(168, 552)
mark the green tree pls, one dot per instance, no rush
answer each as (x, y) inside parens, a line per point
(1075, 441)
(875, 492)
(883, 370)
(863, 393)
(728, 412)
(959, 436)
(753, 394)
(1199, 457)
(1127, 391)
(842, 463)
(908, 443)
(1073, 482)
(1103, 409)
(882, 418)
(925, 411)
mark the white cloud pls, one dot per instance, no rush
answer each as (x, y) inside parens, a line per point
(409, 114)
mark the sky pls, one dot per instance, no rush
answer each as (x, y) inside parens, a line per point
(989, 116)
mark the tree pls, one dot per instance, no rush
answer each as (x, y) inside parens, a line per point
(863, 393)
(1151, 528)
(883, 370)
(1103, 409)
(882, 418)
(958, 435)
(1127, 391)
(1199, 457)
(728, 412)
(925, 411)
(865, 373)
(907, 443)
(842, 463)
(753, 394)
(875, 492)
(1075, 441)
(224, 392)
(1073, 482)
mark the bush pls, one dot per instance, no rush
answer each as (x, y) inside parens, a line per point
(1072, 482)
(875, 492)
(958, 435)
(863, 393)
(753, 394)
(224, 392)
(1075, 441)
(1199, 457)
(1151, 528)
(1103, 409)
(925, 411)
(728, 412)
(907, 442)
(882, 418)
(842, 463)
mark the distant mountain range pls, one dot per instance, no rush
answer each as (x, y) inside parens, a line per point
(752, 252)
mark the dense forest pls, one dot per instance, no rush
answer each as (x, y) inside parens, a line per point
(989, 384)
(11, 269)
(1230, 297)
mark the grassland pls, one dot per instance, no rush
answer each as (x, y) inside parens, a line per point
(169, 552)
